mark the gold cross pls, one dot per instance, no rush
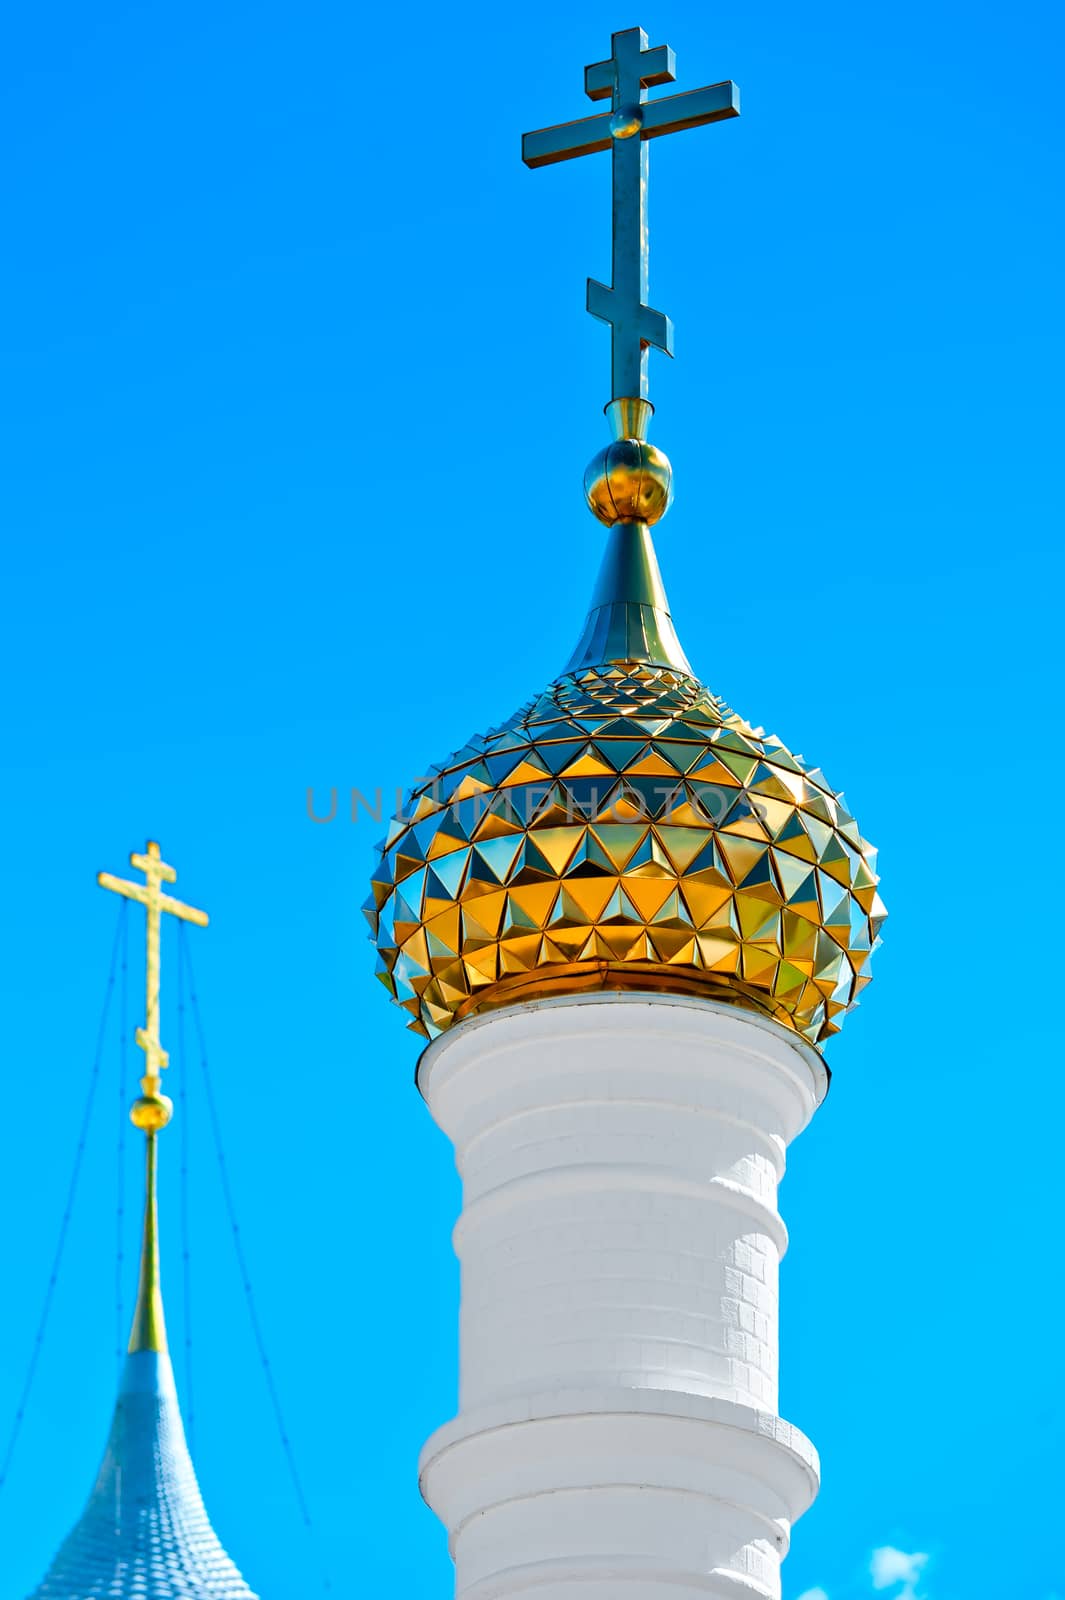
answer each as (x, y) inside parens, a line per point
(624, 130)
(155, 902)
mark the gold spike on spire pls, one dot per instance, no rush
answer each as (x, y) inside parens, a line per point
(152, 1110)
(149, 1325)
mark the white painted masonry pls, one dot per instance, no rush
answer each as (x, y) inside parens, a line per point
(618, 1436)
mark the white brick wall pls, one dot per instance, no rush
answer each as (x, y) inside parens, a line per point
(619, 1245)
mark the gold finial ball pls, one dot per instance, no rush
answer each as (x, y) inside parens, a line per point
(626, 122)
(151, 1112)
(629, 481)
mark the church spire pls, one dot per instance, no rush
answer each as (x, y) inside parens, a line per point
(144, 1532)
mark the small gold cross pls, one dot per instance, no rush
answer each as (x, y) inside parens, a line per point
(151, 896)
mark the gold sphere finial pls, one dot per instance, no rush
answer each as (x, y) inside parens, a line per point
(626, 122)
(152, 1110)
(630, 480)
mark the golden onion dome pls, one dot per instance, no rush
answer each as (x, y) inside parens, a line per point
(625, 830)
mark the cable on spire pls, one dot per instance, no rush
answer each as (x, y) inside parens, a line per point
(183, 1204)
(186, 975)
(72, 1189)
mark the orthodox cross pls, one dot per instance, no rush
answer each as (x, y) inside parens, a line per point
(151, 896)
(624, 131)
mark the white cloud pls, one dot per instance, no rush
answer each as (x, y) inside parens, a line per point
(813, 1594)
(889, 1566)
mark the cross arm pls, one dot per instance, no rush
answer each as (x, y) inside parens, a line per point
(157, 1056)
(178, 908)
(656, 66)
(132, 891)
(153, 866)
(653, 327)
(566, 140)
(693, 109)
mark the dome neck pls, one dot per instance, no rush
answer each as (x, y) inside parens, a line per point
(629, 617)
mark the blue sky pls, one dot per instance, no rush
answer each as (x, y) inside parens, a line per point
(299, 394)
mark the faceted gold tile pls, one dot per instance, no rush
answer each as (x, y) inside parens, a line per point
(519, 953)
(681, 845)
(558, 845)
(650, 895)
(705, 900)
(442, 844)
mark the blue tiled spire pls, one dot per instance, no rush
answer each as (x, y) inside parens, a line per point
(144, 1532)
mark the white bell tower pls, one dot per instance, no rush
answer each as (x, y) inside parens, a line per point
(618, 1436)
